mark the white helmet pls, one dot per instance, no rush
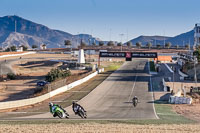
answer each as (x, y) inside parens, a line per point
(50, 104)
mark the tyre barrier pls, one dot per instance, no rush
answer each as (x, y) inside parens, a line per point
(180, 100)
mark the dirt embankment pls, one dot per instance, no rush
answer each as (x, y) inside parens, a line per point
(99, 128)
(190, 111)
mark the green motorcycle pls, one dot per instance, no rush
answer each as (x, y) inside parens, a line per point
(58, 111)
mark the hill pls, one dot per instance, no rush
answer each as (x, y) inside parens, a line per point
(29, 33)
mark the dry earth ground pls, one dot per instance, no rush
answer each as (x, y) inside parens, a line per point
(24, 86)
(190, 111)
(98, 128)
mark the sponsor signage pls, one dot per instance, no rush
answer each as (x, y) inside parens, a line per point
(129, 54)
(112, 54)
(144, 55)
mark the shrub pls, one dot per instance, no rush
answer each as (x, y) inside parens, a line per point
(55, 74)
(11, 76)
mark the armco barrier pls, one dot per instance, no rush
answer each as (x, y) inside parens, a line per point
(30, 101)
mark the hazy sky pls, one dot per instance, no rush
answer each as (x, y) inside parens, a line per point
(107, 19)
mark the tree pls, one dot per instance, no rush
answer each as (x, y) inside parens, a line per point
(168, 45)
(138, 44)
(93, 44)
(110, 43)
(198, 47)
(129, 44)
(149, 45)
(197, 54)
(67, 43)
(187, 46)
(34, 46)
(25, 48)
(13, 48)
(7, 49)
(158, 45)
(119, 44)
(101, 43)
(55, 74)
(177, 46)
(83, 44)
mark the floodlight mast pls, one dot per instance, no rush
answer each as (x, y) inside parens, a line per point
(121, 35)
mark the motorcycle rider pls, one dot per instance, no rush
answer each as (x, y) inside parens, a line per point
(135, 100)
(52, 106)
(76, 106)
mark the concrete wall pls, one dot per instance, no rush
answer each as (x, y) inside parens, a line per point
(25, 102)
(9, 55)
(177, 86)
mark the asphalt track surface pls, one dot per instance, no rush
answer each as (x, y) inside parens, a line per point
(112, 99)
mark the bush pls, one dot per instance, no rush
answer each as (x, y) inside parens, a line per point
(55, 74)
(11, 76)
(152, 66)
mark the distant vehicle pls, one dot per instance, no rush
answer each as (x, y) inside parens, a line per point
(42, 83)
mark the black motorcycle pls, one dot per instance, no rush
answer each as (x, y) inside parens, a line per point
(82, 113)
(135, 102)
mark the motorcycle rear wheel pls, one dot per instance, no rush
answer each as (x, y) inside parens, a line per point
(59, 114)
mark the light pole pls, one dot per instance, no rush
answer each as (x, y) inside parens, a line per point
(195, 73)
(173, 77)
(0, 70)
(121, 35)
(89, 49)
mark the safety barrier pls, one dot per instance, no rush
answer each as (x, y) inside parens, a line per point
(164, 85)
(168, 68)
(182, 74)
(180, 100)
(30, 101)
(9, 55)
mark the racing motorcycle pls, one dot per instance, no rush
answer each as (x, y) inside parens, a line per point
(82, 113)
(61, 113)
(135, 102)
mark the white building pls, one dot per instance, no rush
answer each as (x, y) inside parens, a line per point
(197, 35)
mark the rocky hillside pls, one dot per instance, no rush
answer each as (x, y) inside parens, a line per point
(29, 33)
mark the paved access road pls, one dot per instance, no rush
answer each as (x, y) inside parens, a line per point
(112, 99)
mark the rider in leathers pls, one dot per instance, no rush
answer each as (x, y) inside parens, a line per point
(76, 106)
(135, 99)
(51, 105)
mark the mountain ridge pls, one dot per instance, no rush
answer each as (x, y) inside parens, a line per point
(38, 32)
(30, 33)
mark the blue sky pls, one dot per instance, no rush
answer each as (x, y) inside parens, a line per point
(107, 19)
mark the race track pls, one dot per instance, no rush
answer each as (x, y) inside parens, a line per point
(112, 99)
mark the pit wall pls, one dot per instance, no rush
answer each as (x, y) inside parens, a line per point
(177, 87)
(30, 101)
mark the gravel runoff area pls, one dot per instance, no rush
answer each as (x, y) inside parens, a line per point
(98, 128)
